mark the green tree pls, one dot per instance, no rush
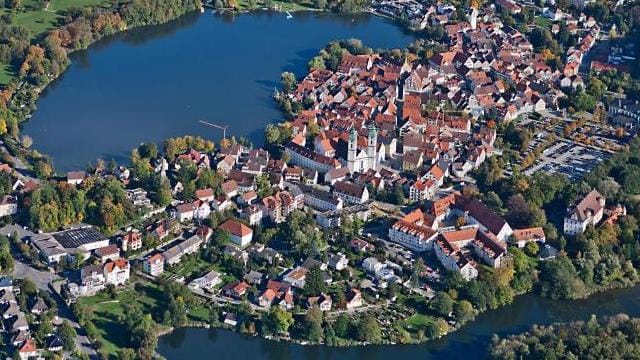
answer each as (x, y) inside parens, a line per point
(314, 282)
(278, 320)
(441, 304)
(368, 330)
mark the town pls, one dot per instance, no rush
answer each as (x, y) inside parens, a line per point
(374, 214)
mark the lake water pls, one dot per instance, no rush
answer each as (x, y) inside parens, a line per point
(470, 342)
(156, 82)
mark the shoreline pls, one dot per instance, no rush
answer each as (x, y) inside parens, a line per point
(201, 325)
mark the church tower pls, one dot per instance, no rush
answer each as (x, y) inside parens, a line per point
(473, 18)
(352, 150)
(372, 147)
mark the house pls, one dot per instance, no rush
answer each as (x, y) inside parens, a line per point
(205, 195)
(521, 237)
(252, 213)
(589, 211)
(361, 246)
(132, 241)
(54, 343)
(372, 265)
(28, 349)
(338, 261)
(92, 280)
(153, 265)
(235, 289)
(174, 254)
(296, 277)
(231, 319)
(323, 302)
(107, 253)
(253, 277)
(353, 299)
(8, 205)
(208, 281)
(38, 306)
(351, 193)
(116, 272)
(241, 234)
(76, 177)
(276, 292)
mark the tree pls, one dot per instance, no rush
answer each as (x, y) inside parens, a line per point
(289, 82)
(314, 282)
(368, 330)
(342, 326)
(532, 248)
(68, 335)
(441, 304)
(26, 141)
(278, 320)
(313, 324)
(463, 311)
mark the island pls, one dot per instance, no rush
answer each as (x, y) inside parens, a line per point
(405, 192)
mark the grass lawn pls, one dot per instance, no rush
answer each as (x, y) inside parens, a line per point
(64, 5)
(199, 313)
(190, 266)
(6, 74)
(39, 21)
(543, 22)
(418, 321)
(284, 6)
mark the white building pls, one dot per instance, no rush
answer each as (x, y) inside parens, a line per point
(154, 265)
(589, 211)
(241, 234)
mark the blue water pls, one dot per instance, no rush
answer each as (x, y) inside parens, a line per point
(152, 83)
(469, 342)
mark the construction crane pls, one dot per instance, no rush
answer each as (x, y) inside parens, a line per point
(223, 128)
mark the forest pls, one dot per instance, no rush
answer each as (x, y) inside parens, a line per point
(615, 338)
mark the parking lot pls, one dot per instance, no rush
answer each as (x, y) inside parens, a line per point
(570, 159)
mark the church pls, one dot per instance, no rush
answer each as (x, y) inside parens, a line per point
(362, 158)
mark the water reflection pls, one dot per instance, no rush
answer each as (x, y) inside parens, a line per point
(470, 342)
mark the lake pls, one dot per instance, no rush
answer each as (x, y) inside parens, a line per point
(152, 83)
(470, 342)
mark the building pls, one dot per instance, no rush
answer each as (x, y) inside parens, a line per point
(78, 241)
(589, 211)
(521, 237)
(412, 236)
(319, 199)
(131, 241)
(153, 265)
(8, 205)
(241, 234)
(351, 193)
(107, 253)
(208, 281)
(116, 272)
(365, 159)
(174, 254)
(281, 204)
(76, 177)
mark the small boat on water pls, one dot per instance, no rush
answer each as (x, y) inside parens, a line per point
(289, 16)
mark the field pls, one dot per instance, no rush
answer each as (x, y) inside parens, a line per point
(107, 312)
(39, 21)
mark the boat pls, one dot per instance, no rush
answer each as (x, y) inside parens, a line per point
(289, 16)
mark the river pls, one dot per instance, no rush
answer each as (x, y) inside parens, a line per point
(152, 83)
(470, 342)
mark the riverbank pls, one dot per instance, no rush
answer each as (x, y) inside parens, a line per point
(470, 341)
